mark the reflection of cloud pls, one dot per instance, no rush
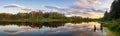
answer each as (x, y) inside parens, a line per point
(69, 27)
(54, 32)
(19, 6)
(11, 32)
(19, 31)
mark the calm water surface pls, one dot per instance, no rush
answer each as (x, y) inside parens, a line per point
(51, 29)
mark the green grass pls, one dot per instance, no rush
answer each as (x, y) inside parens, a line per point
(109, 32)
(114, 26)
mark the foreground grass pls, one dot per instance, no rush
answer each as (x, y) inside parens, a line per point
(109, 32)
(114, 27)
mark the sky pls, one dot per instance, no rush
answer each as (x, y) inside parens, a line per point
(83, 8)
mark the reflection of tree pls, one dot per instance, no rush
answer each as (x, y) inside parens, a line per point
(53, 24)
(34, 25)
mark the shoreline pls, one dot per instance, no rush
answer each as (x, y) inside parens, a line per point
(109, 33)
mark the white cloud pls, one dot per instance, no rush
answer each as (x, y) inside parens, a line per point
(53, 7)
(19, 6)
(56, 7)
(87, 2)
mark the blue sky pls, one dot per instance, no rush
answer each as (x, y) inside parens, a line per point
(83, 8)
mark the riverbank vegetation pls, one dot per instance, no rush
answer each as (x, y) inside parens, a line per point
(39, 16)
(112, 18)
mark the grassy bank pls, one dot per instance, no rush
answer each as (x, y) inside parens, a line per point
(114, 26)
(109, 32)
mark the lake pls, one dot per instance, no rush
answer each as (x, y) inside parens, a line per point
(51, 29)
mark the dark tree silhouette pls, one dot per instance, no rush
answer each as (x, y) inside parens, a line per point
(115, 10)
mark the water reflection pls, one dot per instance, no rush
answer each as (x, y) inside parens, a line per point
(26, 29)
(50, 29)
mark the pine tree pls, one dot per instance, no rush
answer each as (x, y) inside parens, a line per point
(115, 10)
(106, 16)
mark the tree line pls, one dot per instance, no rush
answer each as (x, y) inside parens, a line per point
(114, 11)
(40, 16)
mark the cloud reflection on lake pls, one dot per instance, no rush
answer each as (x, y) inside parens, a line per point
(68, 29)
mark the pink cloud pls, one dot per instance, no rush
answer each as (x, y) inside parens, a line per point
(82, 8)
(86, 2)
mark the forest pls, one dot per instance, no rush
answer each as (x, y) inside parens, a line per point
(39, 16)
(112, 18)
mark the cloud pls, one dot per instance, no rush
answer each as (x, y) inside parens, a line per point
(53, 7)
(80, 11)
(19, 6)
(56, 7)
(89, 12)
(93, 14)
(84, 8)
(87, 2)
